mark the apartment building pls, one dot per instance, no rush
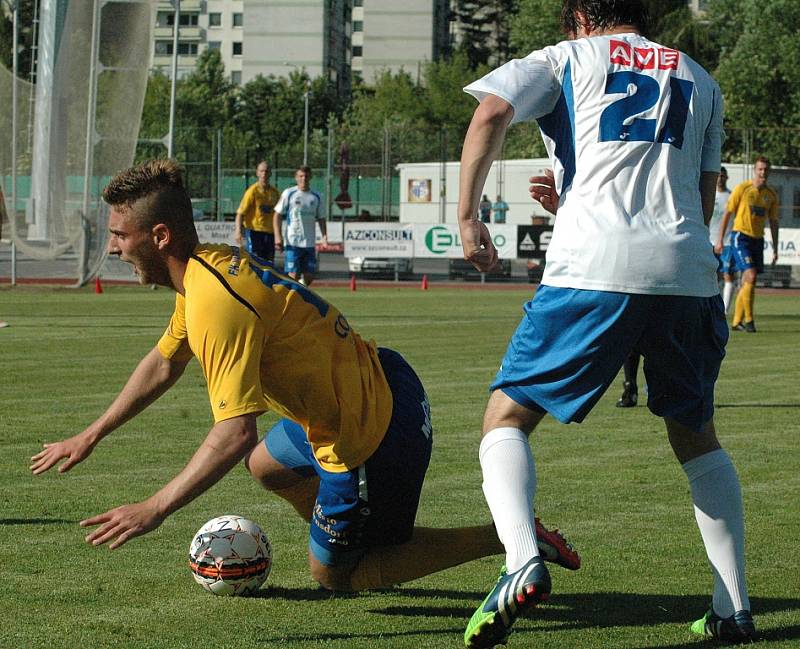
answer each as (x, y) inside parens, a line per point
(390, 35)
(203, 24)
(334, 38)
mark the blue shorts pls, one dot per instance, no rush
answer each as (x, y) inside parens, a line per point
(260, 244)
(727, 262)
(572, 343)
(300, 260)
(747, 252)
(376, 503)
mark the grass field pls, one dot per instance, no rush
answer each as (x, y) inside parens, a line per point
(610, 484)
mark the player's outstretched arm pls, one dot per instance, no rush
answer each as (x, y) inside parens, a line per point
(481, 146)
(152, 377)
(226, 444)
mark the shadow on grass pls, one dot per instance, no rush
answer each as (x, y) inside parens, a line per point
(34, 521)
(564, 611)
(757, 405)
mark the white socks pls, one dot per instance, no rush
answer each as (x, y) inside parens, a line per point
(717, 502)
(727, 295)
(509, 484)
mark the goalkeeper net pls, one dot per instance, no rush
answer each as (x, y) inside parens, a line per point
(75, 128)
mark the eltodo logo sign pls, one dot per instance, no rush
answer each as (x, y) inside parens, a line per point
(439, 240)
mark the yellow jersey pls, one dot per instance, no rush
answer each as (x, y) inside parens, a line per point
(752, 207)
(258, 207)
(266, 342)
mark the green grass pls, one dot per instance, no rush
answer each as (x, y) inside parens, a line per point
(610, 484)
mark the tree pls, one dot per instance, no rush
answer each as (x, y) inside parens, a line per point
(207, 98)
(536, 25)
(484, 29)
(25, 44)
(447, 103)
(760, 80)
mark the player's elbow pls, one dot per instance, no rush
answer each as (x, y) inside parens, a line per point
(493, 111)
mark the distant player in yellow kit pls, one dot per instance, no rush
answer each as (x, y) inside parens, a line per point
(255, 216)
(353, 447)
(751, 204)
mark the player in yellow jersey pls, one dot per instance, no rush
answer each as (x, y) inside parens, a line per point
(352, 449)
(751, 205)
(255, 216)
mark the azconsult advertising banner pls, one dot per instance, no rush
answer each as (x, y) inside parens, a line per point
(378, 240)
(443, 240)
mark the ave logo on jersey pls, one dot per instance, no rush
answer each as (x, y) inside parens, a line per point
(643, 58)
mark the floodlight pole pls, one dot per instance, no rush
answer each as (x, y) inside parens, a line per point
(14, 6)
(88, 162)
(305, 112)
(305, 124)
(173, 86)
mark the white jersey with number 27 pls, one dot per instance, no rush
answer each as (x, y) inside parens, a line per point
(628, 125)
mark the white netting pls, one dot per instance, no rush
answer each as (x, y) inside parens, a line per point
(59, 211)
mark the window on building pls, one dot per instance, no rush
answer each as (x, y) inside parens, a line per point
(238, 19)
(236, 77)
(358, 50)
(237, 48)
(358, 25)
(164, 19)
(214, 45)
(358, 3)
(163, 48)
(187, 49)
(215, 19)
(187, 20)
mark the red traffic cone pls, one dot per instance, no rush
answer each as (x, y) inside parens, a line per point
(424, 283)
(98, 287)
(352, 282)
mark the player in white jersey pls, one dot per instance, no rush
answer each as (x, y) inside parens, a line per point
(302, 209)
(727, 263)
(633, 130)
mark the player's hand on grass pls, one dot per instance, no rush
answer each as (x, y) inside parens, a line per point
(75, 449)
(478, 247)
(543, 190)
(123, 523)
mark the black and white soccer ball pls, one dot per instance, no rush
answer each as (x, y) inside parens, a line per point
(230, 555)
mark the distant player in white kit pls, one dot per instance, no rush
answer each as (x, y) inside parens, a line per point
(633, 130)
(727, 262)
(302, 209)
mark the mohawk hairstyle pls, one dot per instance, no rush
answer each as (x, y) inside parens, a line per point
(604, 14)
(156, 189)
(130, 185)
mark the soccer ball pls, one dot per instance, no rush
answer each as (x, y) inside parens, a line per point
(230, 555)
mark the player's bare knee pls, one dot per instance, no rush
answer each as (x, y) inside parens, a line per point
(687, 443)
(331, 577)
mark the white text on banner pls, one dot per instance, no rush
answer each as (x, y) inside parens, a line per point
(378, 240)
